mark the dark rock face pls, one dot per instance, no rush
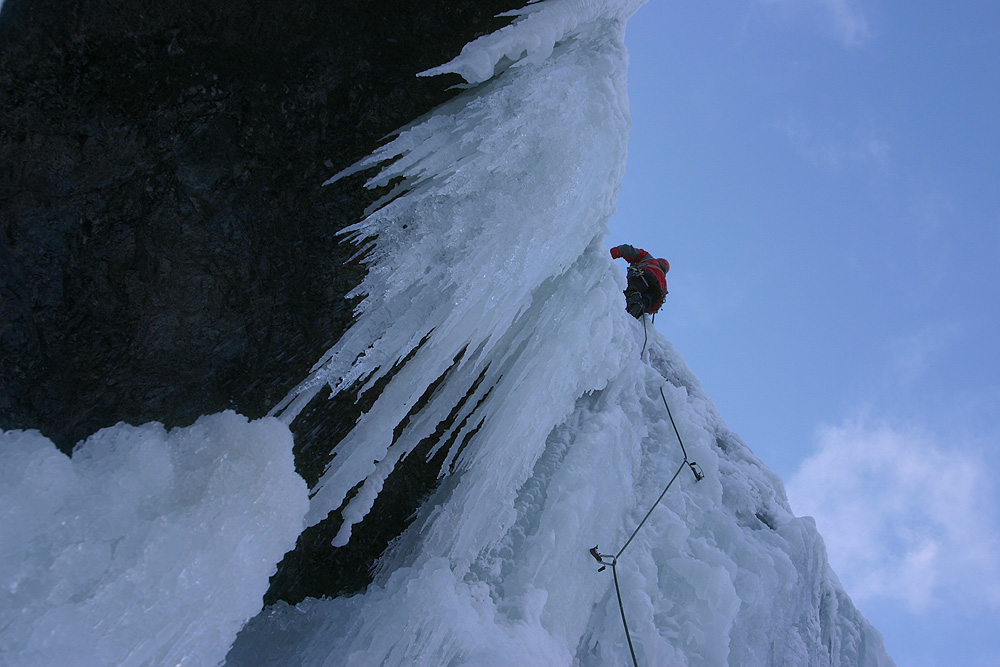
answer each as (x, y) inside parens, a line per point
(166, 249)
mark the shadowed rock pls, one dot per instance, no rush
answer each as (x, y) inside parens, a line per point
(166, 249)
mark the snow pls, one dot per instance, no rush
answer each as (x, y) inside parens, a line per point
(148, 546)
(489, 278)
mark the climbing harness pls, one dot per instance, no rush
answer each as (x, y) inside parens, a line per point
(612, 559)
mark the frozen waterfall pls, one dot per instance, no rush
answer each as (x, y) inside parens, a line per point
(492, 308)
(489, 269)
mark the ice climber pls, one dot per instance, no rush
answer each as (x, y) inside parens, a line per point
(647, 280)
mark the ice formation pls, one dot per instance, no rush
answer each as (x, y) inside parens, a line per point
(489, 271)
(148, 546)
(489, 281)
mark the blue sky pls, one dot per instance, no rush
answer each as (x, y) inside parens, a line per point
(824, 177)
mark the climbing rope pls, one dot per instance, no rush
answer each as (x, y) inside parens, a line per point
(613, 562)
(645, 338)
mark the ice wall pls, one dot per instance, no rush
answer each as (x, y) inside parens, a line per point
(148, 546)
(489, 278)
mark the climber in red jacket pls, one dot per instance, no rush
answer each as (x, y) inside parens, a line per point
(647, 280)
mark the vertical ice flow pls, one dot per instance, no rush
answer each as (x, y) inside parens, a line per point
(490, 248)
(488, 269)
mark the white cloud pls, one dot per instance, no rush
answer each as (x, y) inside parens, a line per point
(914, 354)
(849, 23)
(845, 20)
(904, 517)
(835, 146)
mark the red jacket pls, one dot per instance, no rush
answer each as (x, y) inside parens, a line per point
(642, 260)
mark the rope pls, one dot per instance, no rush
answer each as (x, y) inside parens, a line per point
(618, 590)
(697, 473)
(601, 558)
(636, 531)
(645, 337)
